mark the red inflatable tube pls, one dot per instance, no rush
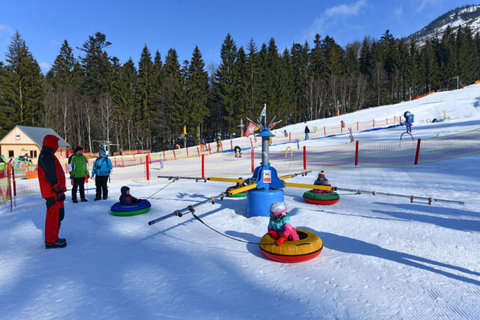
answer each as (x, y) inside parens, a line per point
(322, 202)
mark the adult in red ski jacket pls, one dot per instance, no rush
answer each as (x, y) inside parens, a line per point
(52, 186)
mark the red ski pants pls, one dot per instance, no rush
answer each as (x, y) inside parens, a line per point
(55, 214)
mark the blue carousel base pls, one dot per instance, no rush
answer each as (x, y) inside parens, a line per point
(259, 201)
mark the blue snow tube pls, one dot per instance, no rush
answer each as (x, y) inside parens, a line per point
(119, 209)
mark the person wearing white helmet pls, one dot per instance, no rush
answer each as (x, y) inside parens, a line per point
(279, 226)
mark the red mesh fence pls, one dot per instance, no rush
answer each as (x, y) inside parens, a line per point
(392, 153)
(5, 189)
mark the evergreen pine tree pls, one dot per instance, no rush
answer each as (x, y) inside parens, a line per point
(23, 85)
(196, 93)
(224, 81)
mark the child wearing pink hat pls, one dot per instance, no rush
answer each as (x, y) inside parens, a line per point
(279, 226)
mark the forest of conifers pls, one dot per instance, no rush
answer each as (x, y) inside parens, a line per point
(147, 104)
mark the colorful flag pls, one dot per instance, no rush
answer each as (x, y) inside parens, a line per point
(250, 129)
(263, 114)
(273, 124)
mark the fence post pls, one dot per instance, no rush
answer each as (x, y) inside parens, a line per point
(187, 152)
(198, 150)
(9, 192)
(203, 166)
(324, 131)
(174, 155)
(231, 143)
(14, 184)
(251, 143)
(163, 155)
(357, 126)
(418, 151)
(123, 164)
(147, 167)
(304, 157)
(252, 156)
(289, 137)
(356, 153)
(374, 123)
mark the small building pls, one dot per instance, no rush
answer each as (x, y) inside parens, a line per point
(24, 140)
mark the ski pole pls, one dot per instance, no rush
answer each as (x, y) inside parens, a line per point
(190, 208)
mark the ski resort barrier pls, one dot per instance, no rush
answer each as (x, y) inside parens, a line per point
(392, 153)
(5, 185)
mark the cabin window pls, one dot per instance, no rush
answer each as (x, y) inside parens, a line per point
(10, 154)
(17, 137)
(33, 153)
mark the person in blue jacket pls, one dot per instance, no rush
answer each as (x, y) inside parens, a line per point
(101, 171)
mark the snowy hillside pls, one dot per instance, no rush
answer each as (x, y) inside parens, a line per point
(383, 257)
(459, 17)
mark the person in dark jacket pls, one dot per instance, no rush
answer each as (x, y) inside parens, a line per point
(101, 171)
(307, 131)
(126, 198)
(51, 178)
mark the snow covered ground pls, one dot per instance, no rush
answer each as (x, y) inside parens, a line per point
(383, 257)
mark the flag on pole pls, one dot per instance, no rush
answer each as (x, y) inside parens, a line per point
(263, 114)
(250, 129)
(273, 124)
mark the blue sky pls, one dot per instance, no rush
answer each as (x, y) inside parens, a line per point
(182, 24)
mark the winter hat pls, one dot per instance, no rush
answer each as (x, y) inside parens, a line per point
(124, 189)
(277, 209)
(78, 148)
(102, 152)
(51, 141)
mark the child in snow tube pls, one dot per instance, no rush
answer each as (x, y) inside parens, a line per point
(126, 198)
(279, 226)
(238, 185)
(321, 181)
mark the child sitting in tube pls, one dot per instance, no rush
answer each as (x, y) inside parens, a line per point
(279, 226)
(322, 181)
(126, 198)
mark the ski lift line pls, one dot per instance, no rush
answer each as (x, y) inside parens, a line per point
(411, 197)
(188, 209)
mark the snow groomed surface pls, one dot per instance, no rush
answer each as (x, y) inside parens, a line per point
(321, 198)
(308, 247)
(130, 210)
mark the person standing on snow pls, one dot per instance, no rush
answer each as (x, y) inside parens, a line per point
(51, 178)
(78, 172)
(307, 131)
(101, 171)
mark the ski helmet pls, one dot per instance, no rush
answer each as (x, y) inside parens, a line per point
(278, 210)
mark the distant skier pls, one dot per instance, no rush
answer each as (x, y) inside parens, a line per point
(307, 131)
(279, 226)
(238, 152)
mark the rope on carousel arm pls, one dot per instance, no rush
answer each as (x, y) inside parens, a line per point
(192, 210)
(174, 179)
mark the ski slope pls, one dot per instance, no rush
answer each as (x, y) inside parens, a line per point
(383, 257)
